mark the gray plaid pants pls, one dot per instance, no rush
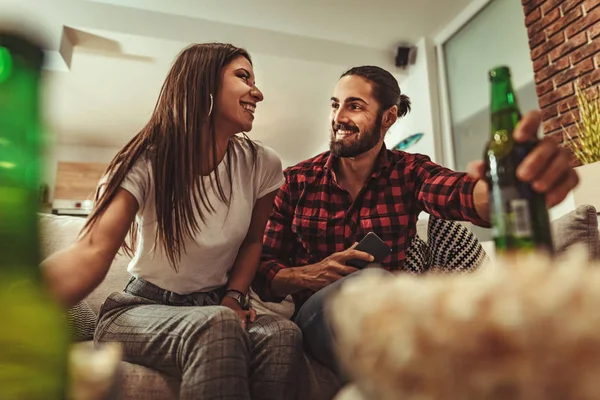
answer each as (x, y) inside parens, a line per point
(193, 338)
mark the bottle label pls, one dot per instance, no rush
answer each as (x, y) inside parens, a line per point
(520, 218)
(511, 214)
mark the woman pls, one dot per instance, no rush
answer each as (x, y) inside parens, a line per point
(200, 196)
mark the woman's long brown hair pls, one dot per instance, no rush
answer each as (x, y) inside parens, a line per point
(172, 143)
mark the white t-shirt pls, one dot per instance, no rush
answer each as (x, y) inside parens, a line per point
(209, 256)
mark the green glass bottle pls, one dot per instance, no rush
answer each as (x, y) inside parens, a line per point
(34, 337)
(519, 215)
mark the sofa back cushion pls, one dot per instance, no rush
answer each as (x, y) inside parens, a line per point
(579, 226)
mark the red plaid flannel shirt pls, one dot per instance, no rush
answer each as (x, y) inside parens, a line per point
(313, 217)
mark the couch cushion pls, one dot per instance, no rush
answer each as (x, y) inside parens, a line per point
(58, 232)
(139, 382)
(577, 226)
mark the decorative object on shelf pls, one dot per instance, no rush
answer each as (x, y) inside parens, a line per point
(585, 145)
(408, 142)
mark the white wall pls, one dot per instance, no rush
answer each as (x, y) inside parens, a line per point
(421, 87)
(73, 153)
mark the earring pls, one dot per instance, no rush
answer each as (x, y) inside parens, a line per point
(211, 105)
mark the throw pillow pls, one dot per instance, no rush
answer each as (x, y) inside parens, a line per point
(577, 226)
(81, 320)
(417, 256)
(453, 247)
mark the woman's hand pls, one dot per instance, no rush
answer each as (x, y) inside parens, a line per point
(245, 316)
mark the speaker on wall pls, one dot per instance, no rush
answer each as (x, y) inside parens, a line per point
(405, 55)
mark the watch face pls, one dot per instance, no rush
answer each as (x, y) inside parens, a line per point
(235, 296)
(243, 301)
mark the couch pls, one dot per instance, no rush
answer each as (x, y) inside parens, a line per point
(138, 382)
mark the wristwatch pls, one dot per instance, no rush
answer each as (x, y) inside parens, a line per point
(240, 297)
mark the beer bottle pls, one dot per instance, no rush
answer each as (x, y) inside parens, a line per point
(519, 215)
(34, 337)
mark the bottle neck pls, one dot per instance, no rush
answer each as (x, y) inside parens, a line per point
(504, 109)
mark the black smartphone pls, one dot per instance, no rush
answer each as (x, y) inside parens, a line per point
(373, 245)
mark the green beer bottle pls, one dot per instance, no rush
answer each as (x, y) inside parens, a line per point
(34, 337)
(519, 215)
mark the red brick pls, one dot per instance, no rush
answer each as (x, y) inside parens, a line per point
(537, 39)
(540, 63)
(588, 50)
(552, 69)
(533, 16)
(566, 105)
(556, 137)
(549, 112)
(553, 127)
(545, 48)
(550, 5)
(566, 120)
(569, 133)
(594, 30)
(531, 5)
(544, 88)
(591, 79)
(583, 23)
(544, 22)
(574, 72)
(589, 5)
(569, 18)
(569, 5)
(549, 127)
(597, 60)
(570, 45)
(556, 95)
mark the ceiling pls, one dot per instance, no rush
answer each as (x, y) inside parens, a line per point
(381, 24)
(114, 54)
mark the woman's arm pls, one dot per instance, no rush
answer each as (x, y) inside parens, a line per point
(248, 258)
(72, 273)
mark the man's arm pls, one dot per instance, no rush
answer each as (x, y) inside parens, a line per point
(275, 278)
(481, 200)
(279, 244)
(449, 195)
(453, 195)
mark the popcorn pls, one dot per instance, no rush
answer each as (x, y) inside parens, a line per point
(524, 328)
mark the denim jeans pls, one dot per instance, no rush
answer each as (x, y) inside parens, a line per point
(319, 338)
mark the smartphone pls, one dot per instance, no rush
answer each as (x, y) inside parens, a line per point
(373, 245)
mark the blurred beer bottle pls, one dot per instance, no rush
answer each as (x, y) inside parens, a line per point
(34, 337)
(519, 215)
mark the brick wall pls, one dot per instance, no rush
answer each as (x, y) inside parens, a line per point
(564, 37)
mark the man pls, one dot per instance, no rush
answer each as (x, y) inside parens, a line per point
(328, 203)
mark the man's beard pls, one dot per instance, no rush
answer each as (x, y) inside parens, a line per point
(368, 139)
